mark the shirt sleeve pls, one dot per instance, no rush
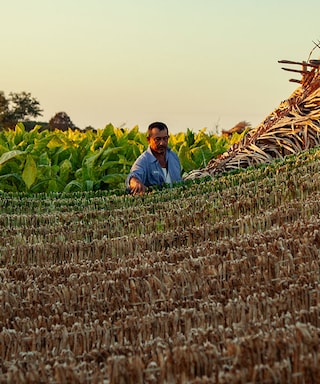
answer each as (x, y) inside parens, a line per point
(138, 170)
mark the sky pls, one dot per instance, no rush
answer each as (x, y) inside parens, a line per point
(193, 64)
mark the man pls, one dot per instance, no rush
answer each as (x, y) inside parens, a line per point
(158, 165)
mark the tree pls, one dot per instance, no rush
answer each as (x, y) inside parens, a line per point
(4, 104)
(18, 107)
(61, 121)
(4, 110)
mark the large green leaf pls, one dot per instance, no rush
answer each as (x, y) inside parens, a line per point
(53, 186)
(186, 161)
(108, 131)
(88, 185)
(201, 156)
(29, 173)
(10, 155)
(133, 133)
(111, 153)
(115, 178)
(44, 159)
(190, 137)
(73, 186)
(65, 170)
(90, 168)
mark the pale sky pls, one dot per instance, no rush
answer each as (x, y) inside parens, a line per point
(190, 63)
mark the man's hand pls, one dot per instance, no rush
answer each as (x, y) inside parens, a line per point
(137, 188)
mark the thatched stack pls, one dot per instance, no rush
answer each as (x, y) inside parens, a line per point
(291, 128)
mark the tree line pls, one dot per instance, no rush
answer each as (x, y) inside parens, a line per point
(22, 107)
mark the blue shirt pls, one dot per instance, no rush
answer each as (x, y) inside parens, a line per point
(148, 170)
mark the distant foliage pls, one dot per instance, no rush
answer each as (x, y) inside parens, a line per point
(18, 107)
(61, 121)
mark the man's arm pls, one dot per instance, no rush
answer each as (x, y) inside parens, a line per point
(137, 176)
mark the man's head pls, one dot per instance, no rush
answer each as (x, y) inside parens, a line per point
(158, 136)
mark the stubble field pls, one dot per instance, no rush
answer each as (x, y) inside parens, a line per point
(215, 281)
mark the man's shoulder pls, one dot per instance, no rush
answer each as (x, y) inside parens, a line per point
(146, 156)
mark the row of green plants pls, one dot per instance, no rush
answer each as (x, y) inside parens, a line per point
(39, 160)
(293, 175)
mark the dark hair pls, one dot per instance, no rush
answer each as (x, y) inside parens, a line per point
(157, 124)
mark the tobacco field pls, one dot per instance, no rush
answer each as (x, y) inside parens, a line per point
(212, 281)
(40, 160)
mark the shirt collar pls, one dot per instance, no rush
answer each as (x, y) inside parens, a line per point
(150, 152)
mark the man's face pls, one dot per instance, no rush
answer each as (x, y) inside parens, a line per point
(158, 140)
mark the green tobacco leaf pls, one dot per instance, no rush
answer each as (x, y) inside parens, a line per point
(133, 133)
(187, 163)
(90, 168)
(201, 156)
(190, 137)
(111, 153)
(29, 173)
(10, 155)
(114, 178)
(88, 185)
(44, 159)
(52, 186)
(65, 169)
(73, 186)
(109, 164)
(108, 131)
